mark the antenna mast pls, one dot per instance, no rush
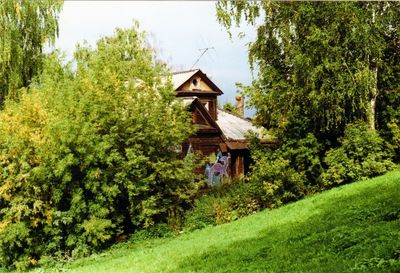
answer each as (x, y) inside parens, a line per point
(201, 55)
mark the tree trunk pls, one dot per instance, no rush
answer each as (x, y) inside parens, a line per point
(372, 113)
(372, 105)
(372, 110)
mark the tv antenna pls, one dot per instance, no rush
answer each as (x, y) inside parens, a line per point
(204, 50)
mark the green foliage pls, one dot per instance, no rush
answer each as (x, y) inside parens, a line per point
(388, 104)
(201, 215)
(362, 154)
(389, 110)
(87, 155)
(327, 61)
(320, 66)
(225, 203)
(230, 108)
(275, 182)
(287, 172)
(160, 230)
(393, 134)
(25, 26)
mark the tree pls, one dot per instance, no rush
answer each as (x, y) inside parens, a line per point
(230, 108)
(326, 63)
(89, 154)
(25, 26)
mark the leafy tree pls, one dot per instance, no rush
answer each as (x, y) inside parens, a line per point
(25, 26)
(329, 62)
(89, 154)
(230, 108)
(324, 70)
(388, 104)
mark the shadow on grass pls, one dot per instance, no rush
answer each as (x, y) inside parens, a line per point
(347, 235)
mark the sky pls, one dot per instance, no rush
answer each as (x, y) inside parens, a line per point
(178, 30)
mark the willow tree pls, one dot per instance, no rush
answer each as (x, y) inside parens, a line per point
(325, 63)
(25, 27)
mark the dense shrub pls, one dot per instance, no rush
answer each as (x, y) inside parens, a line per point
(362, 154)
(202, 214)
(227, 202)
(285, 173)
(159, 230)
(274, 182)
(393, 136)
(88, 154)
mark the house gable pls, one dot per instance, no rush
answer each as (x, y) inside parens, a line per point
(202, 118)
(195, 83)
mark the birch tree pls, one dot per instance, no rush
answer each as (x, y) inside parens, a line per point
(25, 27)
(326, 62)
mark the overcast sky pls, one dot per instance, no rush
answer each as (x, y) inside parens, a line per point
(178, 30)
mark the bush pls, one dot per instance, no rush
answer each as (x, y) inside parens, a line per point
(274, 182)
(202, 214)
(225, 203)
(88, 155)
(393, 136)
(160, 230)
(285, 173)
(362, 154)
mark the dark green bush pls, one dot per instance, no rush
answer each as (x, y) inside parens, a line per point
(362, 154)
(88, 155)
(159, 230)
(274, 182)
(285, 173)
(225, 203)
(393, 135)
(202, 214)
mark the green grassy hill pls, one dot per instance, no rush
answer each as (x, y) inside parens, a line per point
(354, 228)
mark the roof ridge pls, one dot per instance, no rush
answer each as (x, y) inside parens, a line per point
(185, 71)
(243, 118)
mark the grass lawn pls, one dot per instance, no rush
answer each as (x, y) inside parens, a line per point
(354, 228)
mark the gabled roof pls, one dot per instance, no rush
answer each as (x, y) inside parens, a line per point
(181, 77)
(193, 103)
(235, 128)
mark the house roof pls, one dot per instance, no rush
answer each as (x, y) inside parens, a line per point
(181, 77)
(210, 124)
(235, 128)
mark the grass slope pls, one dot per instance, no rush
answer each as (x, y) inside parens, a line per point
(354, 228)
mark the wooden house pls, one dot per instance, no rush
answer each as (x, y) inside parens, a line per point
(218, 132)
